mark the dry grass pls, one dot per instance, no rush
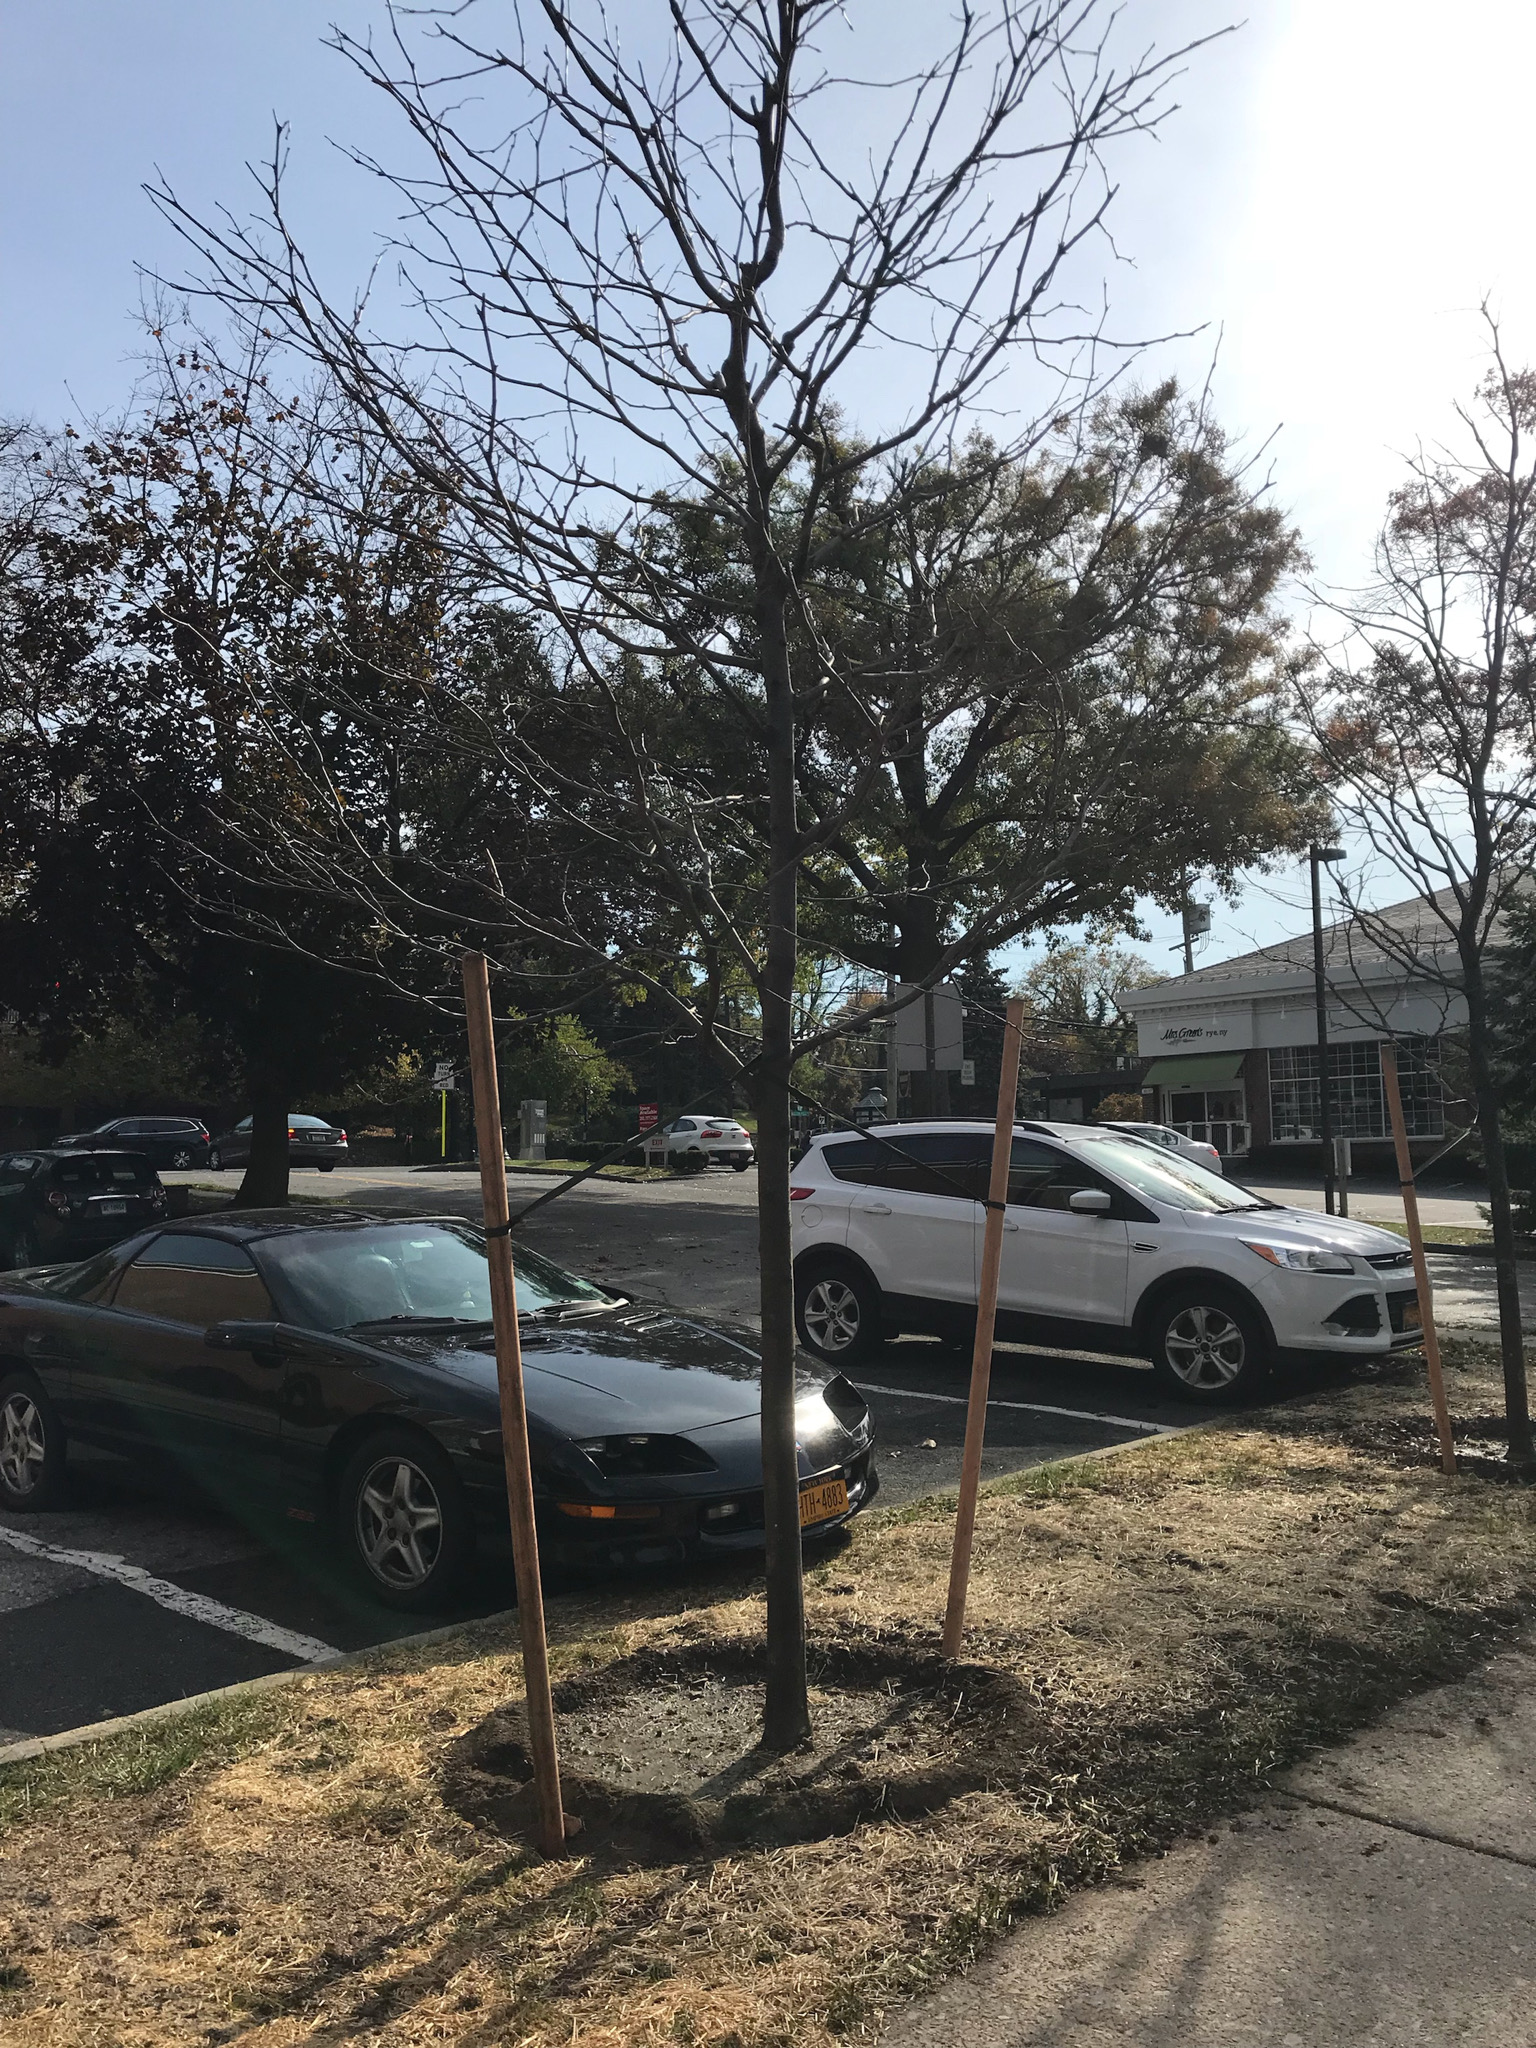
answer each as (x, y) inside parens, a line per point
(1188, 1617)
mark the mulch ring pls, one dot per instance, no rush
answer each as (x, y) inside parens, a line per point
(1482, 1442)
(659, 1755)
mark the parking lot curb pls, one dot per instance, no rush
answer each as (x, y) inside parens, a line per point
(170, 1710)
(269, 1681)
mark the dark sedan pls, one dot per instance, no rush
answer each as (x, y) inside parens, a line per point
(311, 1142)
(343, 1370)
(177, 1141)
(61, 1205)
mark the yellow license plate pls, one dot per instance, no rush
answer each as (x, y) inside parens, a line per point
(1412, 1318)
(819, 1503)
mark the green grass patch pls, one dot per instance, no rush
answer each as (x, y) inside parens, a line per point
(140, 1759)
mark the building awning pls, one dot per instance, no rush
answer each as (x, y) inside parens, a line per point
(1196, 1070)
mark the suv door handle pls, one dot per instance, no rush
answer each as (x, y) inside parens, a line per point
(1009, 1224)
(876, 1208)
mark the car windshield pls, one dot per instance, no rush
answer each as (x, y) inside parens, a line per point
(1165, 1177)
(410, 1272)
(103, 1170)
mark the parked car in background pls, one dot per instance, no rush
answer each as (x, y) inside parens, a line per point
(722, 1140)
(176, 1141)
(311, 1142)
(341, 1369)
(1167, 1139)
(1109, 1245)
(64, 1204)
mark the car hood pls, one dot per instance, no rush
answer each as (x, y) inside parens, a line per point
(634, 1368)
(1302, 1227)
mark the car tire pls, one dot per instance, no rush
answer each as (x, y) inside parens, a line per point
(1208, 1344)
(329, 1167)
(24, 1249)
(32, 1446)
(182, 1160)
(838, 1312)
(741, 1165)
(403, 1522)
(216, 1159)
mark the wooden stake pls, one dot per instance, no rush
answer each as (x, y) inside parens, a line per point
(986, 1323)
(514, 1412)
(1420, 1269)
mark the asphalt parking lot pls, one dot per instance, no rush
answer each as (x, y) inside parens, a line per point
(138, 1590)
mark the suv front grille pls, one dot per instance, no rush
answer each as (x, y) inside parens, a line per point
(1387, 1261)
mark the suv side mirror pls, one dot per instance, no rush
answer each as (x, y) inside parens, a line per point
(1090, 1201)
(235, 1336)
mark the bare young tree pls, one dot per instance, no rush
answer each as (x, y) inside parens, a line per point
(1431, 740)
(673, 268)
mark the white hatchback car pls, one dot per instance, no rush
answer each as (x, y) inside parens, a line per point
(722, 1140)
(1108, 1245)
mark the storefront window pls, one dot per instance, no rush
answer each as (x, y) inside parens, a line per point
(1355, 1092)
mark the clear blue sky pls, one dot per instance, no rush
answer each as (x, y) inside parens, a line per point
(1345, 182)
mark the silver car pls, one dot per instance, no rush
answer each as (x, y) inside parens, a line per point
(311, 1142)
(1167, 1139)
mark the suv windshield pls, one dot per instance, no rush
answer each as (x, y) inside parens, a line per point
(1165, 1177)
(408, 1272)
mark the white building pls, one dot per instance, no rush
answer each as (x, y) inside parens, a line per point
(1233, 1047)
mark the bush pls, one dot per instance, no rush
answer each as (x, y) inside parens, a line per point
(1120, 1109)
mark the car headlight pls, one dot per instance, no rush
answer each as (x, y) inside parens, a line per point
(814, 1419)
(1300, 1261)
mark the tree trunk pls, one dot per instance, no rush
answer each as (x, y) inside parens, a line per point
(1517, 1407)
(265, 1182)
(918, 948)
(787, 1713)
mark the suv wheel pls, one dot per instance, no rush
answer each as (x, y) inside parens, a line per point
(216, 1159)
(182, 1159)
(31, 1446)
(1208, 1345)
(403, 1521)
(837, 1312)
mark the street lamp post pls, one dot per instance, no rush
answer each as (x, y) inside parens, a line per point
(1319, 856)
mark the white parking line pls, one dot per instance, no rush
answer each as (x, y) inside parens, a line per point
(234, 1621)
(1031, 1407)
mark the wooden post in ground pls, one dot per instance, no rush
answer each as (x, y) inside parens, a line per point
(986, 1322)
(1416, 1246)
(514, 1413)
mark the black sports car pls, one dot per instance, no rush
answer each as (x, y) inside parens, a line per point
(342, 1369)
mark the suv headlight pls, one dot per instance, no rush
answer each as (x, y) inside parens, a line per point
(1300, 1261)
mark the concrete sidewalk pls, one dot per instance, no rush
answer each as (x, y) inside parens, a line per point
(1386, 1897)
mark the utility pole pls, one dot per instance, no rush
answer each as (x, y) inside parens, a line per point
(1318, 856)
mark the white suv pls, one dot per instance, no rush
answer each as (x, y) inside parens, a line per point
(722, 1140)
(1108, 1245)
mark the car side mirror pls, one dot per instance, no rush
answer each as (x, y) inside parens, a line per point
(236, 1336)
(1090, 1201)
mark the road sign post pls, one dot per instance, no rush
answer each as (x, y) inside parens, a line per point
(514, 1412)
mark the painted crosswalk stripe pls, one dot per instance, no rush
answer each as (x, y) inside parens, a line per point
(234, 1621)
(1030, 1407)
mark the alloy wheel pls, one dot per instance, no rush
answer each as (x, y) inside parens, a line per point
(831, 1315)
(399, 1523)
(182, 1160)
(1205, 1347)
(23, 1444)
